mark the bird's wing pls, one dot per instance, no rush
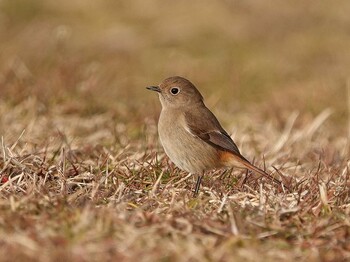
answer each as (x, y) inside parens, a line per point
(203, 124)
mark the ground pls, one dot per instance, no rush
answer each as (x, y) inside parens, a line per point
(83, 176)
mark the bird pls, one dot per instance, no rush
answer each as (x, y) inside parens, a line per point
(191, 135)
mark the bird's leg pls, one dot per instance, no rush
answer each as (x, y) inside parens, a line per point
(198, 184)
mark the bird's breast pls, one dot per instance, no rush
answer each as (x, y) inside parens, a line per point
(188, 152)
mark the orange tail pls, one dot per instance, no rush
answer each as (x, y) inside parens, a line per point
(234, 160)
(260, 171)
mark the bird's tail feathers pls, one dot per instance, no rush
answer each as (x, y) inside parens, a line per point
(260, 171)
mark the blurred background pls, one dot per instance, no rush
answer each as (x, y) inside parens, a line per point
(264, 58)
(82, 173)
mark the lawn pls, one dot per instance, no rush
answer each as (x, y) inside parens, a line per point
(83, 176)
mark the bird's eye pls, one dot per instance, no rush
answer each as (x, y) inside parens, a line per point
(175, 90)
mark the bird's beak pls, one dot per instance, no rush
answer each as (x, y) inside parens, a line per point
(154, 88)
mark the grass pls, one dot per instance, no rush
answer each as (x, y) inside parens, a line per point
(83, 176)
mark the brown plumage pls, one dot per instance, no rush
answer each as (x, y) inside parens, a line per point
(191, 135)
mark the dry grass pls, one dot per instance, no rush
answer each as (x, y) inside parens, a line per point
(83, 177)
